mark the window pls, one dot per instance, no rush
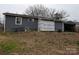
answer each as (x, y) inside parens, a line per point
(18, 20)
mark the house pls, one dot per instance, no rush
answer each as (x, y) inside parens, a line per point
(19, 22)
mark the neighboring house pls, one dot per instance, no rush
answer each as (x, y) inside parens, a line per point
(18, 22)
(77, 27)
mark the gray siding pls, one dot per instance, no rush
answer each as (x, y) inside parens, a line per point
(11, 26)
(59, 26)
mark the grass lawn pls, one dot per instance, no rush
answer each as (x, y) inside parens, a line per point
(39, 43)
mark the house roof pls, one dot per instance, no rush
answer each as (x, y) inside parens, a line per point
(24, 15)
(18, 15)
(28, 16)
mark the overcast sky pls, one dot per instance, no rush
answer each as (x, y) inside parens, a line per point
(71, 9)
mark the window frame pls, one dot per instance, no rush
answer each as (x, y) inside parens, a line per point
(20, 21)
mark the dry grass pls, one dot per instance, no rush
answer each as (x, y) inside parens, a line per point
(39, 43)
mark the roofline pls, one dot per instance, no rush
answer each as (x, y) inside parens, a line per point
(23, 15)
(28, 16)
(14, 14)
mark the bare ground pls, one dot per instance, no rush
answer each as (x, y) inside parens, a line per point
(39, 43)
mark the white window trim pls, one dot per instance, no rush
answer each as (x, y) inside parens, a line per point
(16, 21)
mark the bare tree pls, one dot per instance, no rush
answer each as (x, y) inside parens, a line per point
(52, 13)
(60, 15)
(37, 10)
(40, 10)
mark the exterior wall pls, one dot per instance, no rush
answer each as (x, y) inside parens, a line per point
(59, 26)
(40, 25)
(11, 26)
(46, 25)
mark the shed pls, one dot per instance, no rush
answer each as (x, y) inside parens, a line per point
(69, 26)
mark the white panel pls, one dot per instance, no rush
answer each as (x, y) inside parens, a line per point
(46, 25)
